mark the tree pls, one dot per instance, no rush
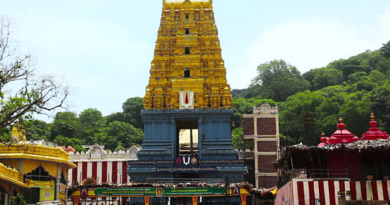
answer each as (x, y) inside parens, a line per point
(381, 104)
(385, 50)
(245, 106)
(37, 129)
(323, 77)
(239, 92)
(66, 124)
(358, 63)
(121, 117)
(18, 200)
(238, 140)
(32, 95)
(92, 122)
(277, 80)
(133, 107)
(61, 140)
(77, 144)
(120, 133)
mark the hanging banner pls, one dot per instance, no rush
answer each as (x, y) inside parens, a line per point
(62, 188)
(46, 194)
(159, 191)
(40, 184)
(195, 191)
(136, 191)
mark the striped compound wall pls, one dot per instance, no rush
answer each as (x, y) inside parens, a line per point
(310, 192)
(101, 171)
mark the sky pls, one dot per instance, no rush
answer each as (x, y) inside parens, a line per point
(103, 49)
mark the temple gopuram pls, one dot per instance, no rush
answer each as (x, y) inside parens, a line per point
(188, 109)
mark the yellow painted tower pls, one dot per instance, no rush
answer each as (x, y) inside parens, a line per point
(187, 70)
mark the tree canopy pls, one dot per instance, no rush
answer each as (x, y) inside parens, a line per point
(23, 94)
(115, 131)
(277, 80)
(349, 88)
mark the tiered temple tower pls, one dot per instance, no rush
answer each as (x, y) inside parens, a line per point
(188, 102)
(187, 57)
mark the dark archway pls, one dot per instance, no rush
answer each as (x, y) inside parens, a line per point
(39, 174)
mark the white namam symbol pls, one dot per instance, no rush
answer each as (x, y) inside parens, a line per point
(186, 160)
(187, 99)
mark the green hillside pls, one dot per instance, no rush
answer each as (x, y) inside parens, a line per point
(350, 88)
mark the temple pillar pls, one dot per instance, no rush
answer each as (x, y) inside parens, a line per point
(243, 199)
(147, 200)
(58, 177)
(194, 200)
(76, 200)
(21, 166)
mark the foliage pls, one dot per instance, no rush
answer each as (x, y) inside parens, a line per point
(21, 93)
(351, 88)
(18, 200)
(277, 80)
(91, 122)
(124, 134)
(245, 106)
(66, 124)
(37, 130)
(77, 144)
(133, 108)
(121, 117)
(385, 50)
(238, 140)
(89, 127)
(239, 92)
(323, 77)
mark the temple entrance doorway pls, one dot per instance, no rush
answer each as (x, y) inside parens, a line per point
(187, 137)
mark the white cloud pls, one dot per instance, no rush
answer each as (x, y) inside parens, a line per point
(310, 43)
(384, 26)
(100, 62)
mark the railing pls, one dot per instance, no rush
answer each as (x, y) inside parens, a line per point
(34, 150)
(286, 176)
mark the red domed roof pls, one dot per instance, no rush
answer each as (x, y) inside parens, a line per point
(340, 136)
(374, 132)
(70, 149)
(324, 140)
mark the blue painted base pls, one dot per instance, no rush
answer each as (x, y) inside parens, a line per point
(214, 143)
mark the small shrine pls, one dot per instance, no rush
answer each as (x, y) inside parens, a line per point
(36, 171)
(374, 132)
(340, 136)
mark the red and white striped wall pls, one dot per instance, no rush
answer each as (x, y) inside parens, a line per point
(101, 171)
(308, 191)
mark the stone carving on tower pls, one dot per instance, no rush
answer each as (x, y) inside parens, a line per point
(187, 58)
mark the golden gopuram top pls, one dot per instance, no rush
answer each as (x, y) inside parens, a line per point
(187, 70)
